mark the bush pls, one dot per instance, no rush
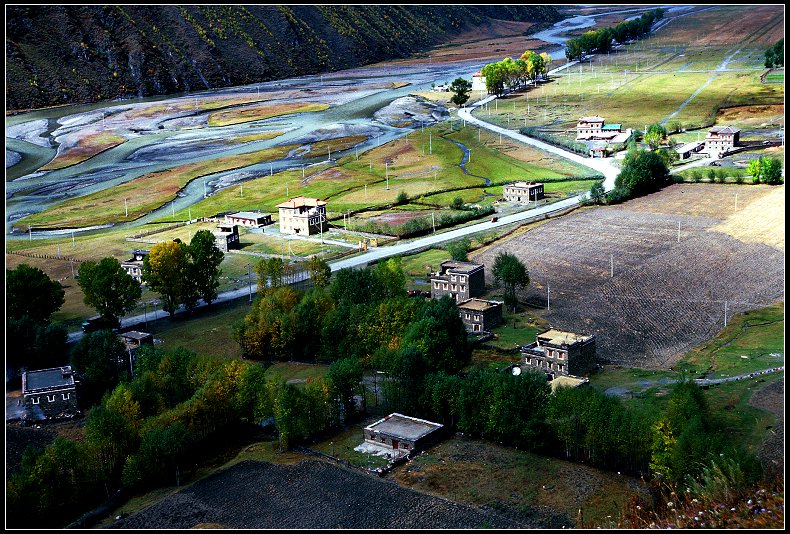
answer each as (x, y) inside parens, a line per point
(696, 175)
(721, 175)
(457, 203)
(402, 198)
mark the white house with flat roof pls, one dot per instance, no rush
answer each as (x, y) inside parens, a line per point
(402, 433)
(250, 219)
(303, 216)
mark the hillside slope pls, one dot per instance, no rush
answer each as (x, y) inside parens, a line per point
(61, 54)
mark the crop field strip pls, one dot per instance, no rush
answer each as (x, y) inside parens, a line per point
(672, 293)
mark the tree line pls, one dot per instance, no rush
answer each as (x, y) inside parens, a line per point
(512, 73)
(601, 40)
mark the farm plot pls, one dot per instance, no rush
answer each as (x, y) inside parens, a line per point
(310, 494)
(665, 296)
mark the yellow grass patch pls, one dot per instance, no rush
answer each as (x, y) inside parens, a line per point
(761, 221)
(254, 137)
(256, 113)
(752, 115)
(87, 147)
(141, 195)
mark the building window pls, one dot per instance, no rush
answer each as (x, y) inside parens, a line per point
(467, 316)
(452, 278)
(35, 399)
(50, 398)
(561, 355)
(445, 286)
(453, 287)
(476, 328)
(66, 396)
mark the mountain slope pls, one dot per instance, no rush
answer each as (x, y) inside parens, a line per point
(58, 54)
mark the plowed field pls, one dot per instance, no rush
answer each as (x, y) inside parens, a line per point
(309, 495)
(666, 294)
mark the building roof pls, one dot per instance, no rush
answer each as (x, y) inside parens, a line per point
(558, 337)
(688, 147)
(46, 379)
(478, 304)
(248, 215)
(724, 129)
(460, 266)
(404, 427)
(594, 118)
(137, 336)
(527, 185)
(611, 126)
(299, 202)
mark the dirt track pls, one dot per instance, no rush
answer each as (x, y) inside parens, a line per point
(309, 495)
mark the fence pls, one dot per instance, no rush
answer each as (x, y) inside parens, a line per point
(42, 256)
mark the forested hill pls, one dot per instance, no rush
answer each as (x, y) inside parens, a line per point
(62, 54)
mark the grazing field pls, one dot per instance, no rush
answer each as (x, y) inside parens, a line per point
(310, 494)
(86, 147)
(666, 295)
(261, 112)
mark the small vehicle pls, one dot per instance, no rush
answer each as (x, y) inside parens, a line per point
(494, 219)
(94, 324)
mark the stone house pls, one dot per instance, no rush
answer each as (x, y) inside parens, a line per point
(251, 219)
(49, 393)
(480, 315)
(403, 433)
(557, 353)
(226, 236)
(134, 340)
(459, 279)
(522, 192)
(134, 265)
(721, 140)
(303, 216)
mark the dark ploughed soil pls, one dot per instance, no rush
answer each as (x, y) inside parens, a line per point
(312, 494)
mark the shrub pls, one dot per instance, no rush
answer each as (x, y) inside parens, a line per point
(721, 175)
(402, 198)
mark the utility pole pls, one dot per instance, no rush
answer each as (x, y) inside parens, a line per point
(725, 313)
(736, 201)
(433, 219)
(611, 266)
(548, 297)
(126, 205)
(387, 174)
(678, 231)
(249, 279)
(430, 143)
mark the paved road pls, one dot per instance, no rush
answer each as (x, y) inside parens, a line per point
(602, 165)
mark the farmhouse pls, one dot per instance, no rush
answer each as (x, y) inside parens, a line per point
(720, 140)
(134, 265)
(459, 279)
(560, 353)
(522, 191)
(480, 315)
(226, 236)
(478, 82)
(595, 129)
(302, 215)
(403, 433)
(49, 393)
(249, 218)
(689, 149)
(133, 339)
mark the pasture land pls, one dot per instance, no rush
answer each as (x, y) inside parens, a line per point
(261, 112)
(666, 294)
(85, 148)
(670, 65)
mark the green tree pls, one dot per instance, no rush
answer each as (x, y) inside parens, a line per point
(597, 193)
(643, 172)
(775, 56)
(271, 273)
(766, 170)
(402, 198)
(391, 278)
(320, 271)
(203, 267)
(458, 249)
(101, 359)
(33, 345)
(344, 377)
(461, 88)
(511, 274)
(29, 292)
(457, 203)
(164, 270)
(108, 288)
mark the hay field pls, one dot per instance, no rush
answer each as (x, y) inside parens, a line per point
(759, 222)
(666, 296)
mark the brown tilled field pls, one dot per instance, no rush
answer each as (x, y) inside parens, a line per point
(666, 296)
(311, 494)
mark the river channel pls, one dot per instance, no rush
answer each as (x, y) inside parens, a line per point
(162, 142)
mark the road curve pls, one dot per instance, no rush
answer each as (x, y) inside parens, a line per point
(602, 165)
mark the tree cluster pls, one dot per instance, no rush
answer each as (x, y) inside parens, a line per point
(33, 340)
(643, 172)
(184, 274)
(515, 73)
(355, 316)
(775, 56)
(766, 170)
(108, 288)
(600, 40)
